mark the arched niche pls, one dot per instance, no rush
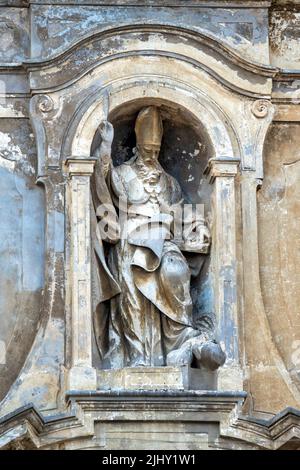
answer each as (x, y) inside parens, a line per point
(182, 106)
(203, 111)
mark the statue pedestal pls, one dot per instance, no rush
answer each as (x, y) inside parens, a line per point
(156, 378)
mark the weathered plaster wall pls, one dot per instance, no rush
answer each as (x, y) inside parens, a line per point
(22, 246)
(15, 36)
(279, 243)
(284, 37)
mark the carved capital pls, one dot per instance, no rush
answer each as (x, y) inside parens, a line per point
(221, 167)
(80, 166)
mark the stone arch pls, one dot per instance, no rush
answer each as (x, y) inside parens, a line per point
(94, 109)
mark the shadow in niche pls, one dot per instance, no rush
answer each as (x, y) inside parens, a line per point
(184, 154)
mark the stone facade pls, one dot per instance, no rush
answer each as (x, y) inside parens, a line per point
(225, 75)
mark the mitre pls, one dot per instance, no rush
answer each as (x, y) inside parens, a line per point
(148, 126)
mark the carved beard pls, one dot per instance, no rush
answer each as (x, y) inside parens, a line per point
(149, 171)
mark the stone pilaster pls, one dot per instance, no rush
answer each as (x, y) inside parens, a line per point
(221, 174)
(82, 376)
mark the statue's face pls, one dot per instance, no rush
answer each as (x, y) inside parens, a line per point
(149, 152)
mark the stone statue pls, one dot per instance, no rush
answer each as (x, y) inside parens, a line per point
(141, 277)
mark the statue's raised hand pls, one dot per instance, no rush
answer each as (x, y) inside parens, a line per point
(106, 131)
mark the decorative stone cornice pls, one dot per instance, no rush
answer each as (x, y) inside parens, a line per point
(202, 37)
(27, 428)
(169, 3)
(67, 67)
(200, 49)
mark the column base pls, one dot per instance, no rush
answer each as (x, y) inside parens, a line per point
(82, 378)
